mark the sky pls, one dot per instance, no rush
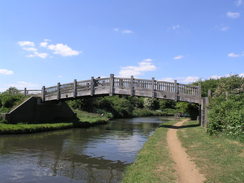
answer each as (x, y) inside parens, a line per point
(46, 42)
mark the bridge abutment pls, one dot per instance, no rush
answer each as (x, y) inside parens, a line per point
(33, 110)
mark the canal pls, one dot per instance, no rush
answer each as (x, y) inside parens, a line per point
(93, 155)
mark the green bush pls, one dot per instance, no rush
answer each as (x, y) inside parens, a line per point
(227, 115)
(8, 101)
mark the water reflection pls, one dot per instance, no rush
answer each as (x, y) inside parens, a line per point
(97, 154)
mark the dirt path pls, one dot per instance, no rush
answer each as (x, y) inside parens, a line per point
(187, 171)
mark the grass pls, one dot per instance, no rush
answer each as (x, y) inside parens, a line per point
(153, 163)
(31, 128)
(85, 120)
(220, 159)
(148, 112)
(90, 117)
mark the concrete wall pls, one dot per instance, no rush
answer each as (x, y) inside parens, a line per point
(34, 111)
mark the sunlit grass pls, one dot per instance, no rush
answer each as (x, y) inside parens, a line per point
(220, 159)
(153, 163)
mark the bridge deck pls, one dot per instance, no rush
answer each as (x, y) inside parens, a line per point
(123, 86)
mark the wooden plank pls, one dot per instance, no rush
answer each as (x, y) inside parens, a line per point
(132, 92)
(111, 92)
(92, 86)
(58, 91)
(43, 94)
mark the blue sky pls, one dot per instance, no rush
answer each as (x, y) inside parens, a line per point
(45, 42)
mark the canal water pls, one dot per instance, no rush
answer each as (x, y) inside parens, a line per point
(94, 155)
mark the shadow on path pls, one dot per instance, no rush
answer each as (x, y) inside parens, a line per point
(179, 127)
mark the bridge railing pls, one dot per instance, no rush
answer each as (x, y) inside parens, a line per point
(122, 83)
(27, 92)
(122, 86)
(165, 86)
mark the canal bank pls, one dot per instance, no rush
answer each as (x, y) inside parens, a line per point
(218, 158)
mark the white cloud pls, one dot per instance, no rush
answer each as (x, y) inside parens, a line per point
(190, 79)
(239, 2)
(62, 49)
(168, 79)
(25, 43)
(44, 43)
(38, 54)
(233, 55)
(58, 49)
(178, 57)
(123, 31)
(233, 15)
(127, 31)
(175, 27)
(241, 75)
(143, 66)
(31, 49)
(6, 72)
(215, 77)
(224, 28)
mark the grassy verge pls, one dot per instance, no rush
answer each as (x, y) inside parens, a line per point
(85, 120)
(31, 128)
(219, 158)
(153, 163)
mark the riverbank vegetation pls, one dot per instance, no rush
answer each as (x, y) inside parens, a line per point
(226, 109)
(220, 159)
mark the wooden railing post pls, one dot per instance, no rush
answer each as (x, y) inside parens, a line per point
(43, 93)
(132, 91)
(153, 88)
(75, 89)
(111, 92)
(58, 91)
(92, 86)
(200, 92)
(209, 93)
(25, 92)
(176, 90)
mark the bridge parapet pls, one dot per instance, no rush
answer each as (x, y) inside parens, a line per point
(123, 86)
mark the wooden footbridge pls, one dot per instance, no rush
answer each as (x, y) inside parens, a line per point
(123, 86)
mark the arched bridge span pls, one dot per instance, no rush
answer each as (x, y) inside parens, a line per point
(123, 86)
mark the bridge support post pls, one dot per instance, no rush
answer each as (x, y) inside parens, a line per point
(58, 91)
(111, 92)
(43, 93)
(153, 88)
(176, 90)
(75, 89)
(204, 111)
(132, 91)
(92, 86)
